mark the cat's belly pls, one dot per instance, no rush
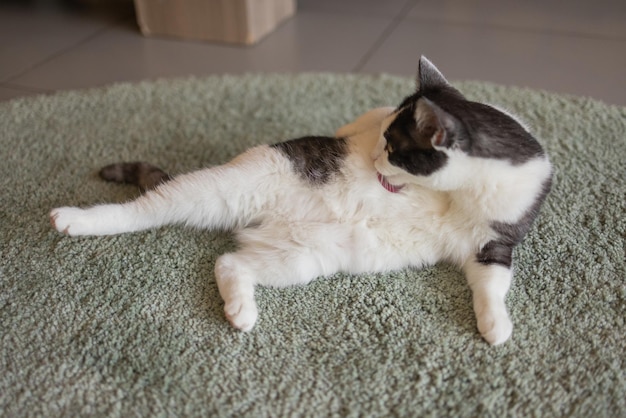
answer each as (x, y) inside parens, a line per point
(380, 244)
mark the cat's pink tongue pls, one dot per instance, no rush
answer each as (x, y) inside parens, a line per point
(389, 187)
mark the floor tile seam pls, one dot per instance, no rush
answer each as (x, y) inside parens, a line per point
(389, 29)
(518, 29)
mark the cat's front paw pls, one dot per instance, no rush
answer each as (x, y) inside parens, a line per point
(70, 221)
(494, 325)
(242, 314)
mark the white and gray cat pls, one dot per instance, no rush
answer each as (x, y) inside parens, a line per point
(438, 178)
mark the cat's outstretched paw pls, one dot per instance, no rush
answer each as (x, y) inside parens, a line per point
(494, 326)
(69, 221)
(241, 314)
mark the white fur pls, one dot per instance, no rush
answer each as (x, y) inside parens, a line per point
(490, 284)
(351, 224)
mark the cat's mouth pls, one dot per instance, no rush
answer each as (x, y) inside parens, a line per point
(388, 186)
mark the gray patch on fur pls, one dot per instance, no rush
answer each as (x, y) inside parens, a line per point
(315, 158)
(485, 132)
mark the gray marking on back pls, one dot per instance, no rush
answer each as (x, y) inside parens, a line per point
(315, 158)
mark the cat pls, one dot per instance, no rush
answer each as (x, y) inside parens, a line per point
(437, 178)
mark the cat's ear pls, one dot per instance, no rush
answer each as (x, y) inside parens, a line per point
(428, 76)
(435, 125)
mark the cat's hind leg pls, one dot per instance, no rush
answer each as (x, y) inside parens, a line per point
(278, 255)
(177, 201)
(221, 197)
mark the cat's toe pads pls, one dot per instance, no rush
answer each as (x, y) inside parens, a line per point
(495, 326)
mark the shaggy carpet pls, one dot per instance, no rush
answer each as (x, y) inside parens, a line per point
(133, 325)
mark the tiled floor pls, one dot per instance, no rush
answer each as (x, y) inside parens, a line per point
(576, 47)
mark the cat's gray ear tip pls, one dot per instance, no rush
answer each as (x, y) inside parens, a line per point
(428, 75)
(424, 61)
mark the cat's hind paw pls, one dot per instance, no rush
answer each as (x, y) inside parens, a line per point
(241, 314)
(495, 326)
(69, 221)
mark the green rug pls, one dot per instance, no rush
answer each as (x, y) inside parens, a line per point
(133, 325)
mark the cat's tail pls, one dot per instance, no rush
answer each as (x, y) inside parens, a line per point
(143, 175)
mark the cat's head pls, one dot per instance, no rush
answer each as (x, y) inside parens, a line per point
(438, 137)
